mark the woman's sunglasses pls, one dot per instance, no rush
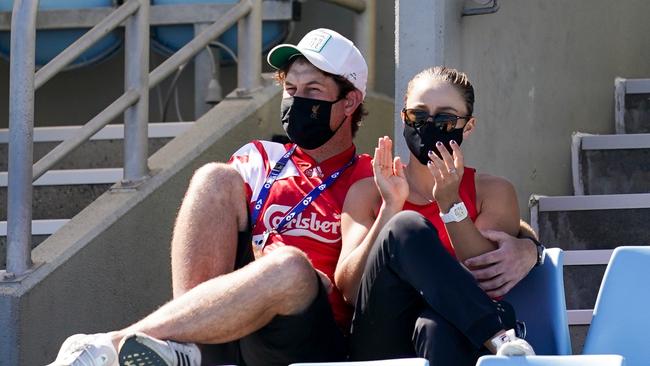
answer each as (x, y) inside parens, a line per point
(444, 121)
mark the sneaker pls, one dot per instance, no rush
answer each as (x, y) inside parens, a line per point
(87, 350)
(141, 350)
(508, 344)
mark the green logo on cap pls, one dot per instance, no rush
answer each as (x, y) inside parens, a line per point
(316, 41)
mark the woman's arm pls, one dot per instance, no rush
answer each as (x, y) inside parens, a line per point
(361, 221)
(496, 204)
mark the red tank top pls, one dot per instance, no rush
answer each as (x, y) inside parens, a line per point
(467, 193)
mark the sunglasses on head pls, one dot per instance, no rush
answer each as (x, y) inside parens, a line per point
(444, 121)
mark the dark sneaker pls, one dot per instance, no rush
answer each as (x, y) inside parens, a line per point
(140, 349)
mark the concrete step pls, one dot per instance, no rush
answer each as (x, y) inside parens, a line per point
(79, 179)
(632, 105)
(592, 222)
(610, 164)
(41, 229)
(64, 193)
(104, 150)
(588, 228)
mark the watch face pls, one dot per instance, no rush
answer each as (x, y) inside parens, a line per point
(459, 210)
(457, 213)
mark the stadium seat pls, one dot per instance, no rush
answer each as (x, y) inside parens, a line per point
(539, 301)
(591, 360)
(621, 319)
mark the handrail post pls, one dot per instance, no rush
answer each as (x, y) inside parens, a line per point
(365, 38)
(136, 117)
(249, 45)
(203, 72)
(21, 129)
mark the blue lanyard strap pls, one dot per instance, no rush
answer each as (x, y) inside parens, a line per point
(302, 204)
(266, 188)
(311, 196)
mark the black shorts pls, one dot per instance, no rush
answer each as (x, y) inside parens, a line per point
(311, 336)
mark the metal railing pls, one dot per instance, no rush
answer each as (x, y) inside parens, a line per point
(364, 31)
(134, 103)
(136, 16)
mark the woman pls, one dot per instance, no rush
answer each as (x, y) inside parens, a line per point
(410, 226)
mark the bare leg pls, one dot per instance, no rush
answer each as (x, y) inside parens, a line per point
(204, 244)
(234, 305)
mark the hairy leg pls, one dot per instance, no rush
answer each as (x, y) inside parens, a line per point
(213, 211)
(234, 305)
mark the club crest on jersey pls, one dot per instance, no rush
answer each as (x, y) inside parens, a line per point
(324, 229)
(314, 111)
(314, 172)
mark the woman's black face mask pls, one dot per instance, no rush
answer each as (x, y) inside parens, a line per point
(422, 131)
(307, 121)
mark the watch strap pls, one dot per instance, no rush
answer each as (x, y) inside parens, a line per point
(452, 214)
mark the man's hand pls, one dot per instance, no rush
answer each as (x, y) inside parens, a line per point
(500, 270)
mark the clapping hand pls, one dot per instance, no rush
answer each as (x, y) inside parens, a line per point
(389, 174)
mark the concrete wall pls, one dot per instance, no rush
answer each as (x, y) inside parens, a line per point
(543, 69)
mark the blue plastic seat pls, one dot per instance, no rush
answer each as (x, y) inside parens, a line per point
(51, 42)
(539, 301)
(621, 320)
(395, 362)
(168, 39)
(591, 360)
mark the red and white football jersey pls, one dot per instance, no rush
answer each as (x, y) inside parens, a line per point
(317, 230)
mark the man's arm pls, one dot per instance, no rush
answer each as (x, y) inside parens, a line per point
(501, 269)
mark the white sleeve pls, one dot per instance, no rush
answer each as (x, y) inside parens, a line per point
(254, 160)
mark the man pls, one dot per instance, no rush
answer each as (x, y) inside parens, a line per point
(275, 298)
(273, 301)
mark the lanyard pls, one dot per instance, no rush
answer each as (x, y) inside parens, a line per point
(298, 207)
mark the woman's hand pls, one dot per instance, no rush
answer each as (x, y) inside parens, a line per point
(447, 173)
(389, 174)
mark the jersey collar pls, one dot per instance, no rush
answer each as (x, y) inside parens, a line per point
(304, 161)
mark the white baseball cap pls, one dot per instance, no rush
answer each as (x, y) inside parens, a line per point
(329, 51)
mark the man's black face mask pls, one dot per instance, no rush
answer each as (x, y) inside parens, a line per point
(307, 121)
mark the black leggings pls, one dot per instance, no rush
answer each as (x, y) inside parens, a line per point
(416, 299)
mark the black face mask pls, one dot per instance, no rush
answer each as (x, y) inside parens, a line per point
(307, 121)
(421, 140)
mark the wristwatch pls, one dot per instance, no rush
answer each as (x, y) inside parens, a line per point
(457, 213)
(541, 254)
